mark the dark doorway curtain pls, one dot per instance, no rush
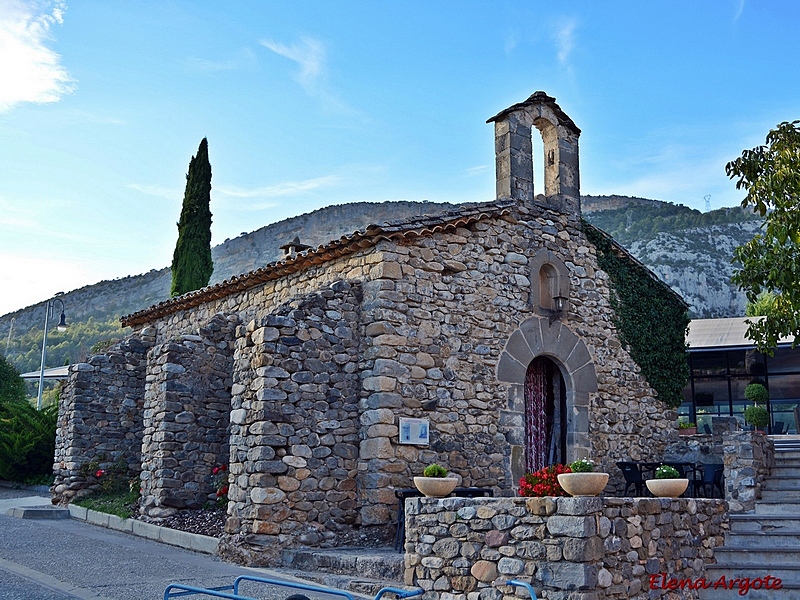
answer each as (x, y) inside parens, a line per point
(545, 415)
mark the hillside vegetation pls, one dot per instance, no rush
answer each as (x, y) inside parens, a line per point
(689, 250)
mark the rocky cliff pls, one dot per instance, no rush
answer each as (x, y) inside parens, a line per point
(689, 250)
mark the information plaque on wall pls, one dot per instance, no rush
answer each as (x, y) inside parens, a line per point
(414, 431)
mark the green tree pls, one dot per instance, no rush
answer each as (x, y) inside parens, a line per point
(770, 262)
(12, 387)
(191, 263)
(761, 306)
(27, 440)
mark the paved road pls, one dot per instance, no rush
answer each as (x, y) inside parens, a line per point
(65, 559)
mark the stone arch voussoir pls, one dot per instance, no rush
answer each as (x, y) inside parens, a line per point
(538, 337)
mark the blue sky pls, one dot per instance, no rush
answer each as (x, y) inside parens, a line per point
(306, 104)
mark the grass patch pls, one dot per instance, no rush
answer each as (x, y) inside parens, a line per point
(120, 504)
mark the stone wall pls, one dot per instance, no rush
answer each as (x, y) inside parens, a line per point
(437, 312)
(100, 417)
(295, 427)
(437, 321)
(260, 301)
(186, 413)
(749, 456)
(570, 548)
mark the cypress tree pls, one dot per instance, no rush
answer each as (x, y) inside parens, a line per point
(191, 263)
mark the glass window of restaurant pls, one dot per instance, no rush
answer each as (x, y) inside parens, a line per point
(718, 378)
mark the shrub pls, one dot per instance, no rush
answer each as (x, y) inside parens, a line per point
(220, 478)
(434, 470)
(27, 441)
(757, 416)
(543, 482)
(582, 465)
(12, 387)
(756, 393)
(667, 472)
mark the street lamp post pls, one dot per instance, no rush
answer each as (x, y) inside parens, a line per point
(62, 326)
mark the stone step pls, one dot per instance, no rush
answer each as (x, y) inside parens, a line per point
(757, 540)
(752, 523)
(787, 454)
(784, 469)
(781, 483)
(788, 574)
(777, 507)
(788, 591)
(732, 557)
(773, 495)
(47, 511)
(360, 586)
(381, 564)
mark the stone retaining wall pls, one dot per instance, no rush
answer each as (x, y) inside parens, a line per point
(295, 428)
(570, 548)
(100, 417)
(186, 413)
(749, 456)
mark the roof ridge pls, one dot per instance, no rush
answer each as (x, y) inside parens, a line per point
(346, 244)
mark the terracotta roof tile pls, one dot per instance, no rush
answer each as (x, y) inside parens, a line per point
(348, 244)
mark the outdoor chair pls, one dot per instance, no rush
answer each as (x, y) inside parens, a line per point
(633, 477)
(711, 480)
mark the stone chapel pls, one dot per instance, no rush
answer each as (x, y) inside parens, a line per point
(481, 339)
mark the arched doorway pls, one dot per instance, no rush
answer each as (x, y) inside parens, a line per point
(545, 415)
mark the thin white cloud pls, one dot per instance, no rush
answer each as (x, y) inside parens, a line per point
(565, 40)
(212, 66)
(472, 171)
(29, 70)
(512, 39)
(287, 188)
(739, 9)
(242, 58)
(158, 191)
(309, 55)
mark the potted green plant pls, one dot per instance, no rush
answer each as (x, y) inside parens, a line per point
(667, 483)
(756, 393)
(756, 415)
(583, 480)
(687, 428)
(434, 482)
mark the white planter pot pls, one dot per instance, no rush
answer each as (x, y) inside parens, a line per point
(667, 488)
(583, 484)
(435, 487)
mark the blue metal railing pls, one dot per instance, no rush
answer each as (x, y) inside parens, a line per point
(523, 584)
(232, 591)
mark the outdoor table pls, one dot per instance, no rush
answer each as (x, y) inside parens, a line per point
(403, 493)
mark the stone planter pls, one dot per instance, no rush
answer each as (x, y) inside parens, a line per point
(667, 488)
(687, 431)
(435, 487)
(583, 484)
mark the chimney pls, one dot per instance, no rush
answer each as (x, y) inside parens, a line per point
(293, 247)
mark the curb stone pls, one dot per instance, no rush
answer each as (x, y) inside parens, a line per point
(182, 539)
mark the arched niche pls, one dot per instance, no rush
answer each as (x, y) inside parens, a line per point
(550, 279)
